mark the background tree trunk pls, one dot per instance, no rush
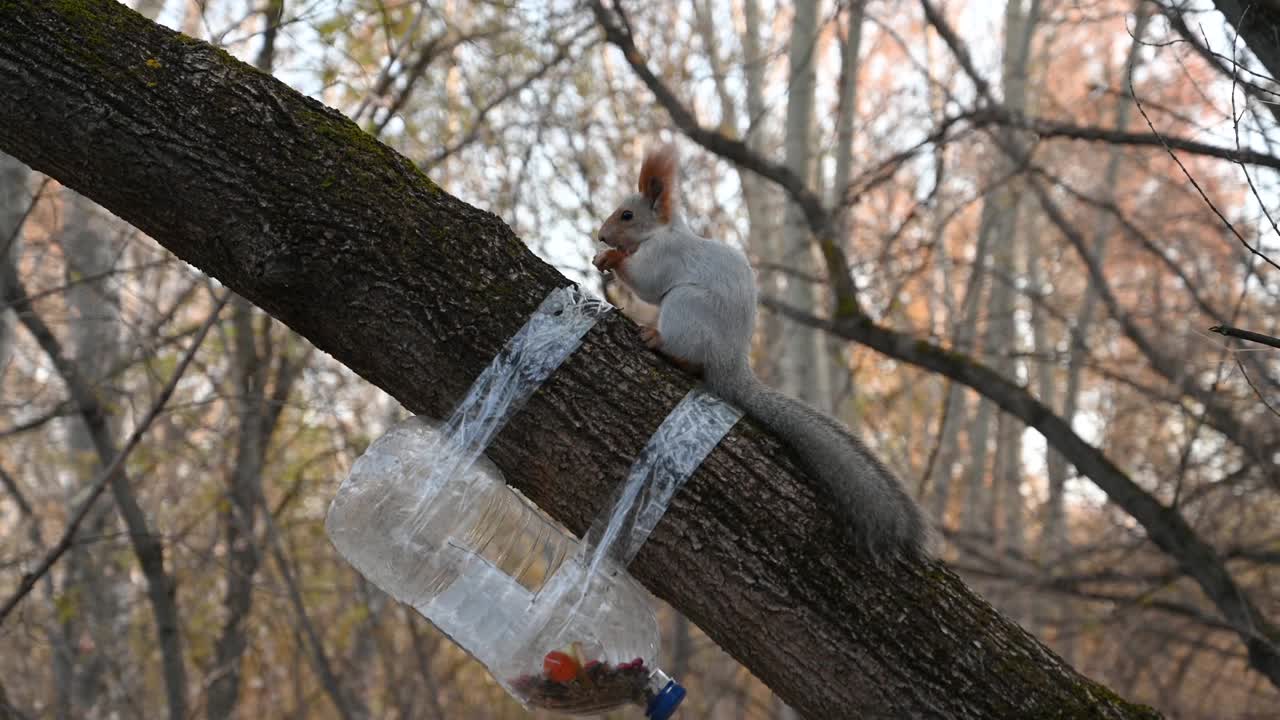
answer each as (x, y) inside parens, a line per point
(802, 355)
(15, 198)
(763, 238)
(999, 222)
(1055, 542)
(91, 577)
(839, 382)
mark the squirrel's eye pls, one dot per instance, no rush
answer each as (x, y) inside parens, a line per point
(626, 215)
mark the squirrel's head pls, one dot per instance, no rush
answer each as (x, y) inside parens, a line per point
(654, 207)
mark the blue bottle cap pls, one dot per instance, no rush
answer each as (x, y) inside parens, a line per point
(665, 702)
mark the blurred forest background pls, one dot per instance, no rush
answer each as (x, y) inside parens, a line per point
(1069, 191)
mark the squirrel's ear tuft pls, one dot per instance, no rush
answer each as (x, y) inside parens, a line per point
(658, 180)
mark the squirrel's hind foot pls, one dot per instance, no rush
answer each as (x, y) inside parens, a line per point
(652, 339)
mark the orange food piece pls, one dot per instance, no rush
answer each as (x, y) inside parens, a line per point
(559, 667)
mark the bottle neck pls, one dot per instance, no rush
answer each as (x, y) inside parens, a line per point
(663, 695)
(658, 681)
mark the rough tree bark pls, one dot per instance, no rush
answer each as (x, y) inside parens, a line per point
(292, 206)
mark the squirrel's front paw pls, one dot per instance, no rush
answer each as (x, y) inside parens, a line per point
(650, 337)
(606, 260)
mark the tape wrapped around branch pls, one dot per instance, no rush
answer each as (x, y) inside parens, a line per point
(673, 453)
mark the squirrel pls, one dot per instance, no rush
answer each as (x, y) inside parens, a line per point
(706, 294)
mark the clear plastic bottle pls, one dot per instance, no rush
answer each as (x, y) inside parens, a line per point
(499, 577)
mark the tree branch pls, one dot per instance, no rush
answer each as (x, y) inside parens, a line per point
(1265, 97)
(1246, 335)
(1220, 416)
(106, 475)
(146, 546)
(477, 123)
(1045, 128)
(1165, 526)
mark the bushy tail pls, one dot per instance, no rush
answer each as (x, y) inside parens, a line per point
(885, 518)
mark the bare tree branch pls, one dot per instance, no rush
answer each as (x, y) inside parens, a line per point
(147, 547)
(1220, 415)
(1256, 21)
(1054, 129)
(348, 707)
(24, 506)
(562, 53)
(22, 220)
(1165, 526)
(1204, 196)
(1258, 393)
(1174, 15)
(109, 473)
(431, 50)
(1246, 335)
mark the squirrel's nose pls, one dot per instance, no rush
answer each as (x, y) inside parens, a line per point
(604, 239)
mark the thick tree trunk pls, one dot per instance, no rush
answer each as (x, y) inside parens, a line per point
(1000, 212)
(290, 205)
(1002, 340)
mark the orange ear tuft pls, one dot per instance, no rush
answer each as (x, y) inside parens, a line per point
(658, 180)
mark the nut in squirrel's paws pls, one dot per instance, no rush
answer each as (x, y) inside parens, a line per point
(606, 260)
(650, 337)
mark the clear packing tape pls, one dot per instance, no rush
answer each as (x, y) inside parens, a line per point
(676, 449)
(430, 520)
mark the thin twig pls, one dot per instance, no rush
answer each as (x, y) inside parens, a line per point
(85, 279)
(1255, 389)
(1190, 178)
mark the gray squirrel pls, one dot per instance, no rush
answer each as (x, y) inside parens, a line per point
(706, 294)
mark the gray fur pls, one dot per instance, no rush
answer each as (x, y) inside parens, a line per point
(706, 295)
